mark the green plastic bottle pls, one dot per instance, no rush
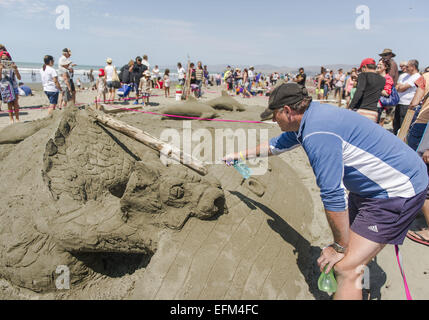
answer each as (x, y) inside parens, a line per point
(327, 282)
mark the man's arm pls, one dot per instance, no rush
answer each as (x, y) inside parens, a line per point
(325, 152)
(339, 223)
(275, 146)
(417, 98)
(403, 87)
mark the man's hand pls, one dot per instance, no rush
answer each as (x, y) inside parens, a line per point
(229, 159)
(426, 156)
(329, 258)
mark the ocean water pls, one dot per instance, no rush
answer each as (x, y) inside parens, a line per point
(30, 72)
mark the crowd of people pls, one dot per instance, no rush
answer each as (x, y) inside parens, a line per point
(248, 82)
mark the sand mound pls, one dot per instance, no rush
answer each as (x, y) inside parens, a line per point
(94, 200)
(190, 108)
(226, 102)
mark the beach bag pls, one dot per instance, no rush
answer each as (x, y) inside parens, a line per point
(116, 82)
(7, 91)
(391, 100)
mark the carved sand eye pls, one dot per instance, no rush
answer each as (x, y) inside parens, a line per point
(177, 192)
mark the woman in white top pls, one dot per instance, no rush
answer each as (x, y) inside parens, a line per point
(156, 77)
(110, 71)
(50, 82)
(181, 74)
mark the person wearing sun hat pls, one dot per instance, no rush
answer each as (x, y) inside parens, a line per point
(388, 55)
(368, 92)
(145, 87)
(385, 179)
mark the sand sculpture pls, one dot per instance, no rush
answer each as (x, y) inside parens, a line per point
(82, 194)
(190, 108)
(126, 226)
(226, 102)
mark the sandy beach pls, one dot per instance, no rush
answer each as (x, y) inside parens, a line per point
(264, 247)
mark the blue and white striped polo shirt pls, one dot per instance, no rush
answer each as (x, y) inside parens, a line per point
(348, 151)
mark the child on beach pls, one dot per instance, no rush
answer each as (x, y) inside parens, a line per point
(167, 83)
(101, 87)
(353, 90)
(51, 86)
(9, 85)
(145, 87)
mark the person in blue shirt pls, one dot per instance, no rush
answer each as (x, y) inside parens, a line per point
(25, 90)
(386, 181)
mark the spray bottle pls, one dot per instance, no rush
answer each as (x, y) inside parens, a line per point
(241, 167)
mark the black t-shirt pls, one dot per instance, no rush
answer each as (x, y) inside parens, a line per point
(368, 91)
(138, 72)
(125, 74)
(302, 78)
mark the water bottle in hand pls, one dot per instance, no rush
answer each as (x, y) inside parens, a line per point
(327, 282)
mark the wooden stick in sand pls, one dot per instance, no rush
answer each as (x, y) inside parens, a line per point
(406, 125)
(163, 148)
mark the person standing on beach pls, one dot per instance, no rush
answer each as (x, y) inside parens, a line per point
(181, 74)
(199, 78)
(339, 81)
(9, 91)
(67, 66)
(250, 79)
(350, 84)
(406, 88)
(388, 55)
(321, 80)
(91, 79)
(348, 152)
(125, 73)
(166, 80)
(418, 140)
(136, 74)
(51, 85)
(145, 87)
(101, 86)
(301, 78)
(369, 87)
(146, 63)
(64, 69)
(383, 69)
(110, 71)
(155, 78)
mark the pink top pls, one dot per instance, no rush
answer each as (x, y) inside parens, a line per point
(350, 85)
(389, 84)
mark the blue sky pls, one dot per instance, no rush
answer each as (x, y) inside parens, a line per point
(277, 32)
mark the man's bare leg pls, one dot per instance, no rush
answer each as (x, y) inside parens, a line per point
(424, 233)
(359, 252)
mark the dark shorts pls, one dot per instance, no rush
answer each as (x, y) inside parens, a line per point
(384, 221)
(53, 97)
(73, 88)
(109, 85)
